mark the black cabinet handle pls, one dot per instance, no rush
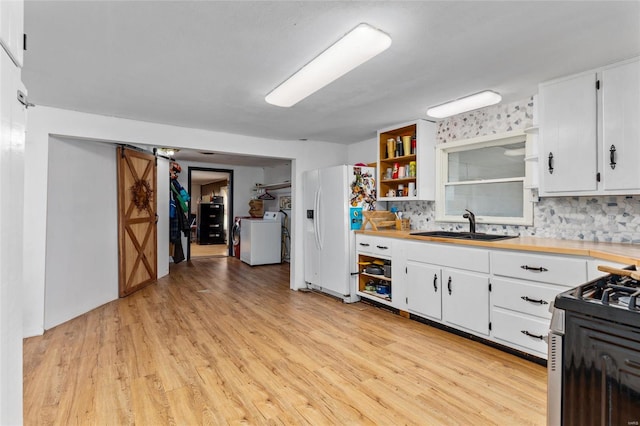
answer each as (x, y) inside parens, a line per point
(435, 282)
(364, 244)
(534, 269)
(535, 336)
(382, 247)
(612, 157)
(449, 285)
(541, 302)
(551, 163)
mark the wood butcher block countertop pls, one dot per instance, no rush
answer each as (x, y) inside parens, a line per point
(615, 252)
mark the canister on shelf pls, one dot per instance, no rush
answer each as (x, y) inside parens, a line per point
(401, 172)
(412, 168)
(394, 174)
(406, 144)
(391, 147)
(399, 147)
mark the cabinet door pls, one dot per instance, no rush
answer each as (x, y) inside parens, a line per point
(465, 300)
(424, 289)
(568, 135)
(12, 28)
(621, 127)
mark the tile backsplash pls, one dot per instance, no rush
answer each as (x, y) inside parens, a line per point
(605, 219)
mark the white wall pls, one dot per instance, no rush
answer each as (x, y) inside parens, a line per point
(162, 207)
(45, 121)
(12, 148)
(362, 152)
(81, 268)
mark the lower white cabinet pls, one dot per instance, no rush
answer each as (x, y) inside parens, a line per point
(465, 300)
(424, 289)
(520, 331)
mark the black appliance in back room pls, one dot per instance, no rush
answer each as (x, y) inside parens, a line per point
(594, 353)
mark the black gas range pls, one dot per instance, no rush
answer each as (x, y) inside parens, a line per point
(596, 353)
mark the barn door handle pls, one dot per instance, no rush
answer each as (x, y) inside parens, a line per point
(435, 282)
(157, 217)
(551, 163)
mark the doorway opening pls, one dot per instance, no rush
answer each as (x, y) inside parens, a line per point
(210, 212)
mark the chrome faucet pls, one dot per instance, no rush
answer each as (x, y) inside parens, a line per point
(472, 220)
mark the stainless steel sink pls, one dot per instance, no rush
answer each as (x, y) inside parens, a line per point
(478, 236)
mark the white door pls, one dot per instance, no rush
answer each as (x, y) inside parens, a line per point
(332, 223)
(465, 299)
(621, 127)
(310, 236)
(424, 289)
(568, 135)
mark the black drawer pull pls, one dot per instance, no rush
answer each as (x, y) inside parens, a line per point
(535, 336)
(449, 285)
(534, 269)
(364, 244)
(382, 247)
(541, 302)
(435, 282)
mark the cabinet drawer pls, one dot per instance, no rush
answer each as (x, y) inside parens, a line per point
(521, 330)
(526, 297)
(470, 259)
(560, 270)
(374, 245)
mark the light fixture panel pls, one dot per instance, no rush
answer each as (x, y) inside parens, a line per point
(355, 48)
(465, 104)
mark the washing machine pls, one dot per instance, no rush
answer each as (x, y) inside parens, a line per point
(261, 239)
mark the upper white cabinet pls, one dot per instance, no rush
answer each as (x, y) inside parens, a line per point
(621, 127)
(12, 29)
(589, 132)
(406, 161)
(568, 135)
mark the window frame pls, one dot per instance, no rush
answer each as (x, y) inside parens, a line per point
(442, 175)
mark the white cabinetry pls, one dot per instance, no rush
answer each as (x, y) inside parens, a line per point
(424, 289)
(465, 300)
(422, 161)
(568, 135)
(448, 284)
(12, 28)
(523, 286)
(378, 287)
(590, 132)
(621, 127)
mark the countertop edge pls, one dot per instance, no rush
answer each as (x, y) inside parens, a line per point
(614, 252)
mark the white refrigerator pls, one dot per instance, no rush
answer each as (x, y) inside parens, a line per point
(334, 199)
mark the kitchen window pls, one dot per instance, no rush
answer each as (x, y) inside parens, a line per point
(485, 175)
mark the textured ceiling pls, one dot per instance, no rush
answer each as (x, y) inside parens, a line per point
(209, 64)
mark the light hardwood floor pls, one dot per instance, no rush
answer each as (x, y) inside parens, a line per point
(205, 250)
(219, 342)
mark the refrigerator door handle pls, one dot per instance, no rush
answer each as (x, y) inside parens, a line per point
(315, 219)
(319, 219)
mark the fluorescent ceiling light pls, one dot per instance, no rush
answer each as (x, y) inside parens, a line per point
(355, 48)
(468, 103)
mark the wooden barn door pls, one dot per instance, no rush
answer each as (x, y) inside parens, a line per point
(137, 229)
